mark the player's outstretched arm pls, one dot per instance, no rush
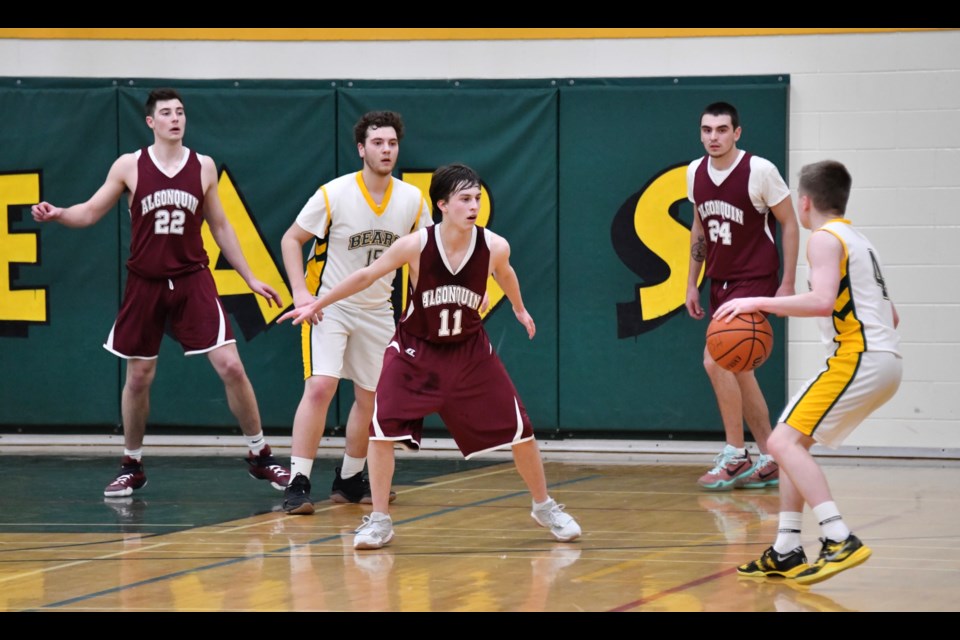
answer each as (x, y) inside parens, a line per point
(225, 236)
(506, 277)
(91, 211)
(824, 253)
(405, 250)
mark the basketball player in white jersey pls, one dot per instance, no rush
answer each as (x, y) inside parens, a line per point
(351, 221)
(862, 371)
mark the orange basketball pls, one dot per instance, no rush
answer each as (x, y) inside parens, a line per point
(742, 344)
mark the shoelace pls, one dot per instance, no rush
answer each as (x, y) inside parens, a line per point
(721, 461)
(365, 523)
(829, 547)
(368, 525)
(279, 470)
(557, 516)
(123, 477)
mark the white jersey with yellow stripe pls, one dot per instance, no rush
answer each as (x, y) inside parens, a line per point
(862, 318)
(352, 231)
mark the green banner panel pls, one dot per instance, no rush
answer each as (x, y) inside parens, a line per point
(510, 137)
(630, 355)
(57, 144)
(584, 177)
(273, 149)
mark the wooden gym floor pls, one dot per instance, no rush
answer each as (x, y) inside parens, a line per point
(203, 536)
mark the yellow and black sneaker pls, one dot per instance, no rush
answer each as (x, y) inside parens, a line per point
(834, 558)
(772, 563)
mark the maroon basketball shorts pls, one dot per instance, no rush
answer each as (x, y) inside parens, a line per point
(188, 307)
(723, 290)
(464, 382)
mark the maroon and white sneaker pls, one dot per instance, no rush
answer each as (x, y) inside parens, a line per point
(266, 467)
(130, 478)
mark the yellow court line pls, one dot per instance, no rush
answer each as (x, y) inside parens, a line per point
(413, 33)
(58, 567)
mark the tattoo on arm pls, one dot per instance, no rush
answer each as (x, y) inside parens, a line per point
(699, 249)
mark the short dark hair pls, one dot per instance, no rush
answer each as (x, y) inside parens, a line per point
(375, 120)
(159, 95)
(450, 179)
(722, 109)
(827, 183)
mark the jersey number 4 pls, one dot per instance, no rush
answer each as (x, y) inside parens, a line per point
(878, 275)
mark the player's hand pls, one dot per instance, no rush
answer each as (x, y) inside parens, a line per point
(309, 313)
(45, 212)
(693, 303)
(527, 321)
(733, 308)
(303, 298)
(265, 290)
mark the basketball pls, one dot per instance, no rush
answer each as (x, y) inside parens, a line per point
(742, 344)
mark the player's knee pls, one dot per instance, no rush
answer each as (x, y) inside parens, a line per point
(320, 389)
(139, 382)
(139, 378)
(711, 367)
(778, 443)
(231, 371)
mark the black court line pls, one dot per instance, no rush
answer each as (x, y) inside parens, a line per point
(232, 561)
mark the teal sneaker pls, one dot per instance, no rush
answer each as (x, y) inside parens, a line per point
(729, 466)
(766, 473)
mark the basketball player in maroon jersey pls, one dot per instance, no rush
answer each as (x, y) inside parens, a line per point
(440, 359)
(736, 197)
(171, 190)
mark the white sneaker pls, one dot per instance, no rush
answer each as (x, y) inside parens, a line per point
(562, 525)
(375, 531)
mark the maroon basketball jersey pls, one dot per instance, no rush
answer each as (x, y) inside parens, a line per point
(444, 305)
(740, 239)
(166, 215)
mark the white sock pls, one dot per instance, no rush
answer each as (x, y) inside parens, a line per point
(741, 452)
(303, 466)
(788, 535)
(256, 443)
(541, 505)
(351, 466)
(136, 454)
(831, 523)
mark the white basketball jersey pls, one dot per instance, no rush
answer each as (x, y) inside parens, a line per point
(352, 231)
(862, 318)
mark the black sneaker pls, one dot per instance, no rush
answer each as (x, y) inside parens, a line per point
(834, 558)
(355, 490)
(296, 497)
(772, 563)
